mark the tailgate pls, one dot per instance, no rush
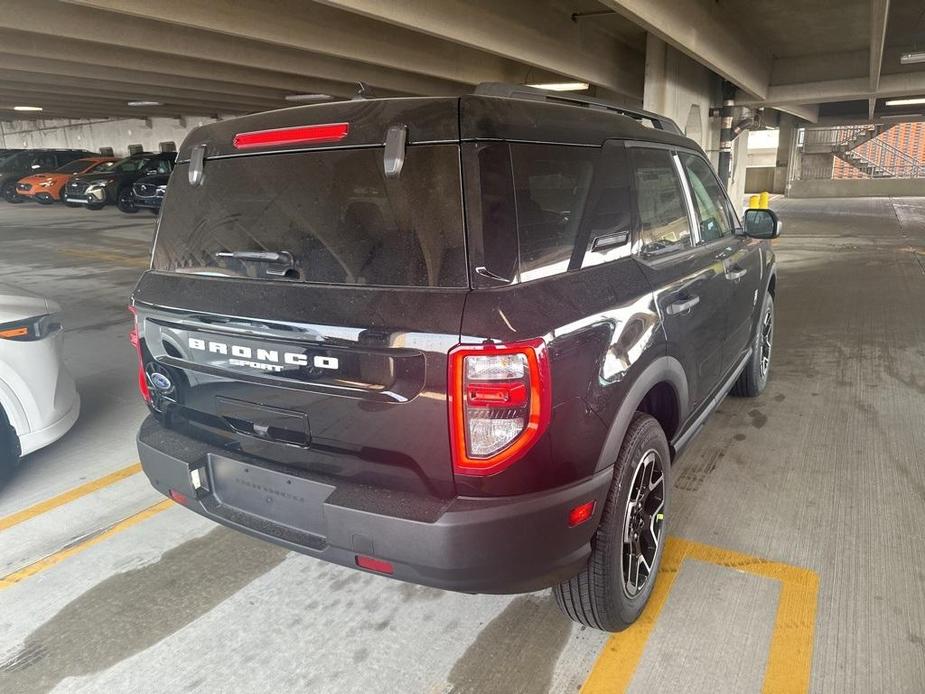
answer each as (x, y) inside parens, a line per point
(307, 383)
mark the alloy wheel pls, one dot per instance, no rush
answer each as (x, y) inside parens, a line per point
(643, 523)
(767, 338)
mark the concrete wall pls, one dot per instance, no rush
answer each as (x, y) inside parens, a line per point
(684, 90)
(816, 166)
(93, 134)
(759, 179)
(857, 188)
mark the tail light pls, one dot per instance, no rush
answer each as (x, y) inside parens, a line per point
(500, 404)
(135, 339)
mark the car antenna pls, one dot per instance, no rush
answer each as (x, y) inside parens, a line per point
(364, 91)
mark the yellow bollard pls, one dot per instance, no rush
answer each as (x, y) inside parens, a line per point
(753, 202)
(763, 200)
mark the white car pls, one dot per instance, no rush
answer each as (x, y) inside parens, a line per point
(38, 398)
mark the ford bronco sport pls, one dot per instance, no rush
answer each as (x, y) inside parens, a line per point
(455, 341)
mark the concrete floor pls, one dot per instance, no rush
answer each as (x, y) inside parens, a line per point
(823, 472)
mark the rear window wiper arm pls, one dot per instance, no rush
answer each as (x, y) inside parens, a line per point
(272, 257)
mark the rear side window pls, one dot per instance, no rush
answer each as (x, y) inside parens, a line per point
(334, 212)
(663, 223)
(551, 186)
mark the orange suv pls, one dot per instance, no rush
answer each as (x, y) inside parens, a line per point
(48, 187)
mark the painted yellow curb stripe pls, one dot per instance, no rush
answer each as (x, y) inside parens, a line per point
(59, 556)
(68, 496)
(791, 652)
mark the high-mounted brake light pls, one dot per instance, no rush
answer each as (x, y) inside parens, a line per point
(330, 132)
(135, 339)
(500, 404)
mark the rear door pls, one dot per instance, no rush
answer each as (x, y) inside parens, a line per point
(687, 280)
(301, 307)
(739, 255)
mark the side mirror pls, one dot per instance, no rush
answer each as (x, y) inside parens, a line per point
(761, 224)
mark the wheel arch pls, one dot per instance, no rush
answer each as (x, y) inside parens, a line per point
(660, 391)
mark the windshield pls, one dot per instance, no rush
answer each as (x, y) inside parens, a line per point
(74, 167)
(334, 214)
(102, 167)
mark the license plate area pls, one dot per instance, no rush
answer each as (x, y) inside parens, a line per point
(277, 497)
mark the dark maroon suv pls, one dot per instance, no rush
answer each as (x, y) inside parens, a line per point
(454, 341)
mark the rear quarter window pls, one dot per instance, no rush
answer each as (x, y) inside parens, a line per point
(551, 187)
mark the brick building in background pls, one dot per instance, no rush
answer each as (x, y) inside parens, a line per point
(907, 138)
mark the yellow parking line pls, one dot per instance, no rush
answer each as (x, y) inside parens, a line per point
(791, 651)
(68, 496)
(59, 556)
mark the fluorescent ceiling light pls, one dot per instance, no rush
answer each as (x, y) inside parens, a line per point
(302, 98)
(562, 86)
(145, 103)
(914, 57)
(27, 108)
(906, 102)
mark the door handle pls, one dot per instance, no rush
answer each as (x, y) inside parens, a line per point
(736, 274)
(682, 306)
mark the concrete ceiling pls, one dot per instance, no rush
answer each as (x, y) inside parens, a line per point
(89, 58)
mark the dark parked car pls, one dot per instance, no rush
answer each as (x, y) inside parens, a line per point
(114, 186)
(148, 192)
(454, 341)
(33, 161)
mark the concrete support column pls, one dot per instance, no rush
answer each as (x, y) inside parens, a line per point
(787, 131)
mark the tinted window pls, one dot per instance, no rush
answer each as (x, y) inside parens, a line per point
(551, 185)
(335, 212)
(663, 222)
(713, 213)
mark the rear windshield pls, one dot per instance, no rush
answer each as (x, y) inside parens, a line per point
(333, 212)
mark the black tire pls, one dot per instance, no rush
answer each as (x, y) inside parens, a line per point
(153, 210)
(126, 201)
(599, 596)
(754, 377)
(9, 449)
(9, 193)
(44, 199)
(95, 206)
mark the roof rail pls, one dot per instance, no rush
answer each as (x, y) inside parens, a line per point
(520, 91)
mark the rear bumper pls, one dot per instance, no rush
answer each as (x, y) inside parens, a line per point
(477, 545)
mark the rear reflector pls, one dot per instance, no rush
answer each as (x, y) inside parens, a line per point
(179, 497)
(581, 514)
(378, 565)
(500, 403)
(331, 132)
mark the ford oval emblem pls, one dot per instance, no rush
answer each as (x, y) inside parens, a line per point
(160, 381)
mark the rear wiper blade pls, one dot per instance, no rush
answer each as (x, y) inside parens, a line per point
(274, 257)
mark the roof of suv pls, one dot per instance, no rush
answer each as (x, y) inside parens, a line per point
(433, 120)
